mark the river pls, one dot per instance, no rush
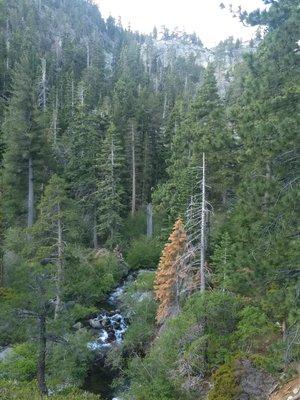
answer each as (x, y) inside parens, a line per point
(109, 327)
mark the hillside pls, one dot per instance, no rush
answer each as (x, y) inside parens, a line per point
(149, 208)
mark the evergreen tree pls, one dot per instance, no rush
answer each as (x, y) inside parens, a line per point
(53, 229)
(85, 138)
(110, 189)
(25, 146)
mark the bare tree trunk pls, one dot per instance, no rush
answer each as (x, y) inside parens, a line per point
(203, 220)
(133, 195)
(7, 44)
(43, 83)
(59, 265)
(185, 84)
(30, 208)
(41, 370)
(72, 96)
(149, 220)
(87, 54)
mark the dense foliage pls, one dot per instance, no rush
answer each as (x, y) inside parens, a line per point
(99, 122)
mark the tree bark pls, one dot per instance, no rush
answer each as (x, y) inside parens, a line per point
(59, 264)
(149, 220)
(44, 81)
(203, 220)
(30, 210)
(7, 45)
(87, 54)
(41, 370)
(133, 195)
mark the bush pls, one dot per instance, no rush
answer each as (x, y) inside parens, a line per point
(184, 353)
(142, 326)
(73, 358)
(140, 307)
(21, 363)
(225, 384)
(254, 329)
(144, 253)
(12, 390)
(88, 279)
(144, 282)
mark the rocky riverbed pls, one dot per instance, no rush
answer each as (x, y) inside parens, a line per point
(109, 327)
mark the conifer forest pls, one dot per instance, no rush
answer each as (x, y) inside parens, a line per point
(149, 207)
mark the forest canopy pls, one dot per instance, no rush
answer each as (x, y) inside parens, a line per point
(111, 142)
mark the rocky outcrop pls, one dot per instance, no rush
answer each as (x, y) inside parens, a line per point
(254, 383)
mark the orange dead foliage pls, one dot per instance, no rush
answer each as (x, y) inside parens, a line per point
(166, 281)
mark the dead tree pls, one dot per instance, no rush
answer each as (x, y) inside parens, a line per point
(60, 251)
(149, 220)
(197, 213)
(30, 203)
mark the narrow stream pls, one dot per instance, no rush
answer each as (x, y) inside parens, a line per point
(109, 327)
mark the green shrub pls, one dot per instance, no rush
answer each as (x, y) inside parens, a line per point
(88, 279)
(183, 342)
(12, 390)
(144, 253)
(254, 329)
(225, 384)
(21, 363)
(142, 326)
(144, 282)
(140, 306)
(73, 358)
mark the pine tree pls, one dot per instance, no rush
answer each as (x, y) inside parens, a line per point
(110, 190)
(25, 147)
(85, 138)
(53, 229)
(167, 280)
(223, 263)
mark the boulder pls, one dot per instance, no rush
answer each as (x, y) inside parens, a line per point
(6, 352)
(95, 323)
(77, 326)
(255, 384)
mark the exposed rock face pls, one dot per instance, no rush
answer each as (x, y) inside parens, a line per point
(254, 383)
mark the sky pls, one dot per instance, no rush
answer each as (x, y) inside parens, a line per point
(201, 16)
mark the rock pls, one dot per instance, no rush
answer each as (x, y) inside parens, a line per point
(4, 353)
(111, 337)
(255, 383)
(95, 323)
(77, 326)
